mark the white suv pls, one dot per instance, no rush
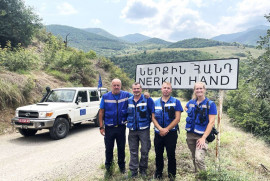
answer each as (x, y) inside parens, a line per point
(59, 110)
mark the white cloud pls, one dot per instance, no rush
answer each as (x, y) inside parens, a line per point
(173, 19)
(139, 9)
(176, 19)
(66, 9)
(246, 14)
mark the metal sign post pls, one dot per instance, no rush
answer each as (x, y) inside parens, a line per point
(220, 103)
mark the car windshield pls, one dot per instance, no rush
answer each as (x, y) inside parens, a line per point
(61, 96)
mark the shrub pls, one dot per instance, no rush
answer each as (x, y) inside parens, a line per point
(10, 95)
(27, 88)
(18, 59)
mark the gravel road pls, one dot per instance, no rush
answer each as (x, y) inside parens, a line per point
(76, 157)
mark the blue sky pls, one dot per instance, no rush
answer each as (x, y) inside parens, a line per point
(171, 20)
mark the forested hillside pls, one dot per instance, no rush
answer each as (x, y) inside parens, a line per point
(86, 41)
(102, 32)
(197, 43)
(135, 38)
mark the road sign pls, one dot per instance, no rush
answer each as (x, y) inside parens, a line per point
(216, 74)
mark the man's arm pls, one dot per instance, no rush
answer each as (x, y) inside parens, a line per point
(100, 117)
(175, 121)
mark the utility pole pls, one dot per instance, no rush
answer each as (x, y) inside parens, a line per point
(66, 41)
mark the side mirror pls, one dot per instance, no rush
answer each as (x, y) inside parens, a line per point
(79, 100)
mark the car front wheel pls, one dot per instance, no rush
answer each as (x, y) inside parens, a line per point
(60, 129)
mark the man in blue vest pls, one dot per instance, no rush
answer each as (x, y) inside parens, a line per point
(166, 118)
(140, 110)
(113, 110)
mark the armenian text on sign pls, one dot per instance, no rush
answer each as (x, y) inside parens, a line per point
(216, 74)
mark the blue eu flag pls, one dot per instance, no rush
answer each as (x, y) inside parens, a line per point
(99, 82)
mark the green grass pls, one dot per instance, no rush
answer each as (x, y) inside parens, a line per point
(10, 95)
(60, 75)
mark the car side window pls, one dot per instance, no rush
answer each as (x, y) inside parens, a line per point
(93, 95)
(82, 95)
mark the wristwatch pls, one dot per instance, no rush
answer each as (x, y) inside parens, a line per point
(101, 128)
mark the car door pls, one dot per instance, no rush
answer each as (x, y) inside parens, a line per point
(94, 102)
(82, 108)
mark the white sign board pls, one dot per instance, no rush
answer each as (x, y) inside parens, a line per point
(216, 74)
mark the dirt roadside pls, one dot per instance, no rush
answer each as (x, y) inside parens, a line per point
(77, 157)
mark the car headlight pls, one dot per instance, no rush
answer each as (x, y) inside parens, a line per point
(16, 113)
(45, 114)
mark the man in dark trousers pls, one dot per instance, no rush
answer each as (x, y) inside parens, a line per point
(140, 110)
(113, 112)
(166, 118)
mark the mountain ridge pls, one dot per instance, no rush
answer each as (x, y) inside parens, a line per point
(107, 44)
(249, 36)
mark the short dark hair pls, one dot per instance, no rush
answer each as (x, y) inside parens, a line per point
(136, 83)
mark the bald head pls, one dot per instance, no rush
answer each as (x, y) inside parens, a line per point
(116, 86)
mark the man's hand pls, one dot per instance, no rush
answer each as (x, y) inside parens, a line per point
(102, 131)
(201, 143)
(163, 131)
(146, 95)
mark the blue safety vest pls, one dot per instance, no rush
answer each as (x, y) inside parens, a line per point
(115, 110)
(138, 116)
(165, 114)
(198, 119)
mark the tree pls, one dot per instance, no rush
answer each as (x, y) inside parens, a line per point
(249, 107)
(260, 67)
(18, 23)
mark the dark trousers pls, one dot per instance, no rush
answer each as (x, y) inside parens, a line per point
(112, 134)
(169, 142)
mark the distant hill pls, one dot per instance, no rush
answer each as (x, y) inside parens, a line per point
(155, 41)
(248, 37)
(135, 38)
(197, 43)
(102, 32)
(84, 40)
